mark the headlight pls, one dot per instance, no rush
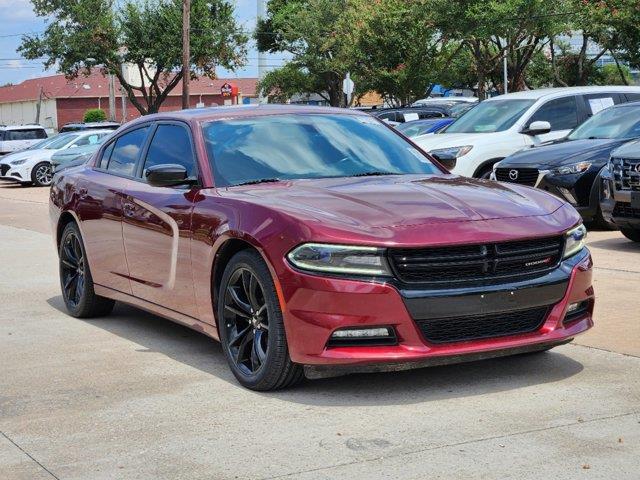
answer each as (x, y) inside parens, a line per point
(17, 162)
(574, 240)
(573, 168)
(327, 258)
(455, 152)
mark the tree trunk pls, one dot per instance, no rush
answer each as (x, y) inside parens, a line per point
(620, 71)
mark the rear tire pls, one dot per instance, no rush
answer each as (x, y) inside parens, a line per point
(251, 327)
(631, 234)
(75, 278)
(42, 174)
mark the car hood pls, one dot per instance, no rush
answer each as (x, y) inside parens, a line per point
(445, 140)
(561, 153)
(630, 150)
(25, 154)
(387, 204)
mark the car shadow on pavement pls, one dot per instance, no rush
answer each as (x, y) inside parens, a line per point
(192, 348)
(620, 244)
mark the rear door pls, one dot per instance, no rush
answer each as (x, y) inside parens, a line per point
(157, 223)
(100, 208)
(595, 102)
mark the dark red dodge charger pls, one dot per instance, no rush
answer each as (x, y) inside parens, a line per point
(316, 241)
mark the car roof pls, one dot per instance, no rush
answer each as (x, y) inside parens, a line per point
(562, 91)
(89, 124)
(239, 111)
(21, 127)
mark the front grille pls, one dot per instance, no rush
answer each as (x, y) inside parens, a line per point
(523, 176)
(625, 210)
(626, 175)
(4, 168)
(475, 327)
(476, 264)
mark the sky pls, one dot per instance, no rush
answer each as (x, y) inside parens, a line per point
(17, 17)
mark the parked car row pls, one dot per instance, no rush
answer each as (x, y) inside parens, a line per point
(35, 164)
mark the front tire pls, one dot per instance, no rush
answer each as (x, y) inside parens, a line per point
(631, 234)
(75, 278)
(42, 174)
(251, 327)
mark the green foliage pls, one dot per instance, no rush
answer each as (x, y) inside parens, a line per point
(610, 74)
(321, 36)
(104, 34)
(94, 115)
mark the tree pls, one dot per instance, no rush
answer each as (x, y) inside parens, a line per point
(321, 36)
(146, 34)
(94, 115)
(491, 29)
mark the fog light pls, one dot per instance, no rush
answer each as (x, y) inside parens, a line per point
(573, 307)
(363, 337)
(362, 333)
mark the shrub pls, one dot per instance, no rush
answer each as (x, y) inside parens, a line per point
(95, 115)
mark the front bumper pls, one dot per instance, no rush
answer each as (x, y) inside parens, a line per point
(315, 306)
(18, 173)
(609, 196)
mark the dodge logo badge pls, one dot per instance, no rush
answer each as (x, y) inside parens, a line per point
(513, 174)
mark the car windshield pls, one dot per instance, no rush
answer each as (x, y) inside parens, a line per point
(490, 116)
(620, 122)
(460, 108)
(42, 143)
(297, 146)
(60, 141)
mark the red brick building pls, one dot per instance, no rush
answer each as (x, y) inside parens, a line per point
(64, 101)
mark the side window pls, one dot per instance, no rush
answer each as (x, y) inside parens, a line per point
(561, 113)
(632, 97)
(87, 140)
(41, 134)
(171, 144)
(106, 155)
(126, 152)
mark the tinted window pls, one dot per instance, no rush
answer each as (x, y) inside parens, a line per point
(127, 151)
(106, 155)
(88, 140)
(632, 97)
(171, 144)
(561, 113)
(308, 146)
(388, 116)
(619, 122)
(34, 134)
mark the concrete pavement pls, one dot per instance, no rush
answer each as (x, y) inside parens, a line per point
(133, 396)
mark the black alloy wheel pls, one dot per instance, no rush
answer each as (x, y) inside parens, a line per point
(251, 328)
(246, 321)
(75, 277)
(72, 267)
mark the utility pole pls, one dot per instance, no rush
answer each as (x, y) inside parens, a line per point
(505, 72)
(39, 106)
(261, 13)
(186, 63)
(112, 98)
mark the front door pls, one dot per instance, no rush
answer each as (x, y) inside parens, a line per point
(157, 224)
(562, 115)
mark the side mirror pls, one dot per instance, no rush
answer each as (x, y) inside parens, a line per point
(447, 160)
(166, 175)
(537, 128)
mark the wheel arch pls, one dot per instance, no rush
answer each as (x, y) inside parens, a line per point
(227, 248)
(65, 219)
(485, 164)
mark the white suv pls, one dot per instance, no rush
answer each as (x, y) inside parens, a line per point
(19, 137)
(502, 125)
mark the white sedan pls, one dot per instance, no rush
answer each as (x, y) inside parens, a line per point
(33, 165)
